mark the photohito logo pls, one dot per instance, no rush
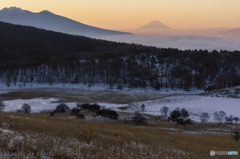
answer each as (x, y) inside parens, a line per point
(213, 153)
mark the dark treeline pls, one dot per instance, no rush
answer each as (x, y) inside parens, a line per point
(31, 55)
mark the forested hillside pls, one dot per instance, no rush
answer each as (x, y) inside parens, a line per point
(31, 55)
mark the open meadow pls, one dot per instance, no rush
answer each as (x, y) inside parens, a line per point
(41, 135)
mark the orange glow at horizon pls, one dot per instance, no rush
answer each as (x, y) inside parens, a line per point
(132, 14)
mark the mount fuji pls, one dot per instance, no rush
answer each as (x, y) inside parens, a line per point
(155, 25)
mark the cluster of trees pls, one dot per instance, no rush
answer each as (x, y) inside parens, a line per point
(181, 117)
(106, 113)
(30, 55)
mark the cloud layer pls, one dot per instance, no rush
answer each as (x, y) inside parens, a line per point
(180, 42)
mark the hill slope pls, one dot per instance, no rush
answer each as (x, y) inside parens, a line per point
(31, 55)
(50, 21)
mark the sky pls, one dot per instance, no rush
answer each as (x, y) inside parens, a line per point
(132, 14)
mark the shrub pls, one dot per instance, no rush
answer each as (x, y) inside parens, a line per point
(108, 113)
(52, 113)
(26, 108)
(175, 115)
(164, 111)
(184, 113)
(62, 108)
(2, 105)
(138, 118)
(188, 121)
(75, 110)
(236, 133)
(80, 116)
(90, 107)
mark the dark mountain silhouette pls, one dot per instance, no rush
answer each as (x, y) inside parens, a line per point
(50, 21)
(155, 25)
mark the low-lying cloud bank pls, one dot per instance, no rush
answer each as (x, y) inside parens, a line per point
(181, 42)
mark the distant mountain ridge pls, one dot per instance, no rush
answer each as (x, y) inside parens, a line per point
(233, 33)
(155, 25)
(47, 20)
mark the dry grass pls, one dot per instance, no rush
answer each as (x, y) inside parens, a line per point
(74, 138)
(78, 95)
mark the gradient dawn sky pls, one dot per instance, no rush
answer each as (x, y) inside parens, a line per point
(131, 14)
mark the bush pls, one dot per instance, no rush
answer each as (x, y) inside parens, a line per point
(108, 113)
(236, 133)
(62, 108)
(175, 115)
(52, 113)
(138, 118)
(90, 107)
(184, 113)
(75, 110)
(26, 108)
(80, 116)
(2, 105)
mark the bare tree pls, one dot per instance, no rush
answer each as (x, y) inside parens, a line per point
(219, 116)
(222, 115)
(236, 119)
(2, 105)
(216, 117)
(143, 108)
(229, 120)
(164, 110)
(204, 118)
(139, 118)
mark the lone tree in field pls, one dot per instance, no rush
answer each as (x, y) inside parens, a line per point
(143, 108)
(164, 111)
(138, 118)
(219, 116)
(204, 118)
(2, 105)
(222, 115)
(26, 108)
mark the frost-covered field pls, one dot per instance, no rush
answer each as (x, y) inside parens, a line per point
(45, 97)
(194, 104)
